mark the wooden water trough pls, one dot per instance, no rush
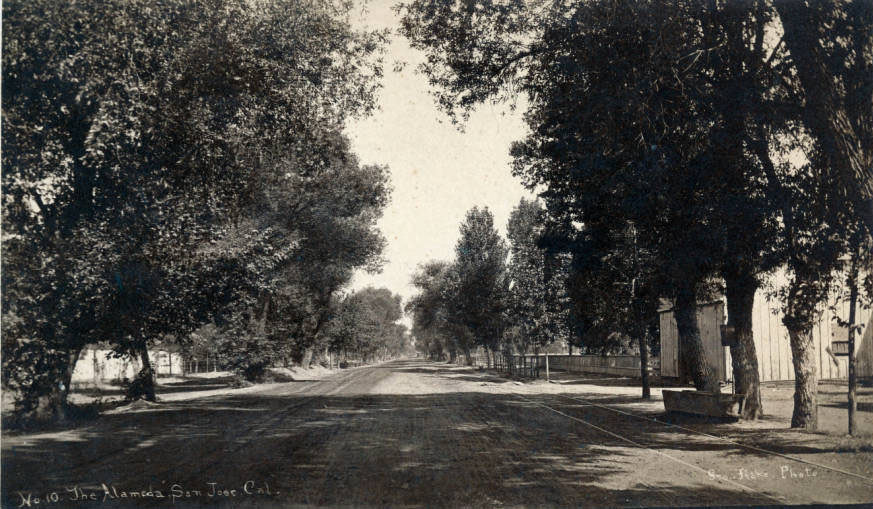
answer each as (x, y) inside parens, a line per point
(710, 404)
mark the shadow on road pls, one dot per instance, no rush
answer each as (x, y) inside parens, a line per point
(457, 449)
(372, 450)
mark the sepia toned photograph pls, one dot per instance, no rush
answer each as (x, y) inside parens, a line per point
(436, 253)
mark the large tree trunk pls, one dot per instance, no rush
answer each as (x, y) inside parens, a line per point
(52, 406)
(72, 359)
(805, 413)
(801, 314)
(307, 358)
(740, 292)
(260, 318)
(692, 356)
(146, 374)
(644, 365)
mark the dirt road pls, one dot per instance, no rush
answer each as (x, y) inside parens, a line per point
(411, 433)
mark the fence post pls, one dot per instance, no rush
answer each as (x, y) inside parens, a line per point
(547, 367)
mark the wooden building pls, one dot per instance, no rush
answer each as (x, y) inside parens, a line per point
(98, 365)
(710, 316)
(771, 341)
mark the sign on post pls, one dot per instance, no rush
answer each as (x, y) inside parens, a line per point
(728, 335)
(840, 348)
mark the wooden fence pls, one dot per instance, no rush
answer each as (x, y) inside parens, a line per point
(534, 366)
(204, 364)
(620, 365)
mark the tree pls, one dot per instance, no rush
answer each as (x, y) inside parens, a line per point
(751, 116)
(365, 323)
(536, 301)
(611, 287)
(433, 329)
(818, 231)
(335, 215)
(828, 71)
(142, 131)
(351, 326)
(598, 104)
(385, 310)
(480, 284)
(647, 113)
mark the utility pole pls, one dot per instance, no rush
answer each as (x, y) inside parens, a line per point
(853, 301)
(644, 347)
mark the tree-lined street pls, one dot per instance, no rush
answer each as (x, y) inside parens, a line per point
(245, 264)
(420, 434)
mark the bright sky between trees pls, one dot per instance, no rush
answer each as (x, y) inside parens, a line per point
(438, 172)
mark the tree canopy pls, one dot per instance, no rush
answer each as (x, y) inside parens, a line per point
(681, 120)
(169, 163)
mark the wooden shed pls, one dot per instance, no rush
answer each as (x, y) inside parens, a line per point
(710, 316)
(774, 350)
(771, 340)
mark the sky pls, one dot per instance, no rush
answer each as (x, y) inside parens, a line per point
(437, 172)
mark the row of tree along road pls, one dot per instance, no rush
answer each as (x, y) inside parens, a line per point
(681, 149)
(171, 163)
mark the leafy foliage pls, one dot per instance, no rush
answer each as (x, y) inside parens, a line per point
(537, 301)
(665, 117)
(365, 324)
(164, 160)
(432, 327)
(479, 288)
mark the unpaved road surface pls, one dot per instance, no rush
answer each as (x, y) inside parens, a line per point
(411, 434)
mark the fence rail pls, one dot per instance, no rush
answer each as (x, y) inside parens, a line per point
(534, 366)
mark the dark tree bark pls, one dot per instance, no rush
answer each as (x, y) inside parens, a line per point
(307, 357)
(805, 413)
(146, 374)
(52, 407)
(740, 292)
(693, 357)
(72, 359)
(644, 365)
